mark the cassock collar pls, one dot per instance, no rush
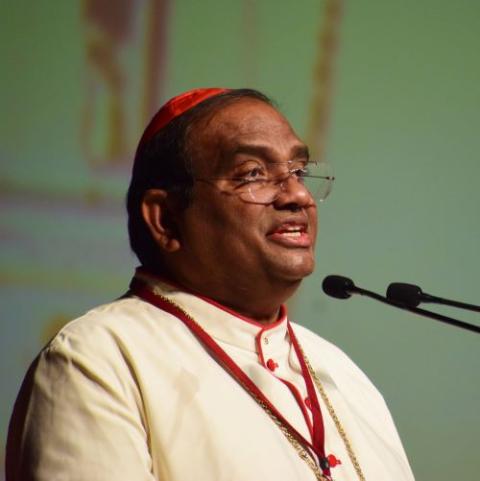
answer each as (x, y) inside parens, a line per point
(222, 323)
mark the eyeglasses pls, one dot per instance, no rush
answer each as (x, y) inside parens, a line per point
(262, 183)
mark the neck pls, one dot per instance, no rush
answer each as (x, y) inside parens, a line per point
(260, 303)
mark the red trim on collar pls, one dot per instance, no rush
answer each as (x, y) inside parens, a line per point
(282, 314)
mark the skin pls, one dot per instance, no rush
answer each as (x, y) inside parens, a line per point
(237, 253)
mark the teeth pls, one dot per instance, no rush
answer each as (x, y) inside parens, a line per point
(292, 234)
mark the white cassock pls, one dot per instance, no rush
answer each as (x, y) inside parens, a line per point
(127, 393)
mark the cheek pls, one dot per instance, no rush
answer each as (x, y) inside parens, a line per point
(219, 222)
(237, 225)
(228, 213)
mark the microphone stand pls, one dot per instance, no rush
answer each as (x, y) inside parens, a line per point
(448, 302)
(412, 295)
(416, 310)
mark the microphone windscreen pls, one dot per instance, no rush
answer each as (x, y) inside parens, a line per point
(338, 286)
(406, 294)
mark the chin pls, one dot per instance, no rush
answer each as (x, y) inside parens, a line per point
(296, 271)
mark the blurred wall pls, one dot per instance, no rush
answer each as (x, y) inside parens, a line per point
(79, 80)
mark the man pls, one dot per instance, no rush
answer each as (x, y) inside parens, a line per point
(196, 373)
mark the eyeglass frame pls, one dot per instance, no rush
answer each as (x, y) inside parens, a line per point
(280, 180)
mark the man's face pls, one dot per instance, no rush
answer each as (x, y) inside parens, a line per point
(233, 244)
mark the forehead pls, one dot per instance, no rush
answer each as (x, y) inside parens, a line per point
(245, 122)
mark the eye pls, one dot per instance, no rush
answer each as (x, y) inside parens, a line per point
(251, 174)
(254, 173)
(299, 172)
(299, 168)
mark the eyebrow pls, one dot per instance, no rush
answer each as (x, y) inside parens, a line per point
(299, 151)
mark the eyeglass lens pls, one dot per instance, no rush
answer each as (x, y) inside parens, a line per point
(318, 182)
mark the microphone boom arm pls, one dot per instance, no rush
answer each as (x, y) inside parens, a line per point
(412, 295)
(449, 302)
(416, 310)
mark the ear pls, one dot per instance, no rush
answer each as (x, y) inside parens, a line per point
(157, 214)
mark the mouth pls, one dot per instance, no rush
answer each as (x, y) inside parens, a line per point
(291, 234)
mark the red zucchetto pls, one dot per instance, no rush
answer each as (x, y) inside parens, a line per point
(175, 107)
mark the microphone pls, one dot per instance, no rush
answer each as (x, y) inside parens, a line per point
(342, 287)
(338, 286)
(411, 295)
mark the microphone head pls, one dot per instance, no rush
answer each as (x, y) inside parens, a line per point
(406, 294)
(338, 286)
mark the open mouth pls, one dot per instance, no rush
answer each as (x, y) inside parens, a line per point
(291, 234)
(292, 231)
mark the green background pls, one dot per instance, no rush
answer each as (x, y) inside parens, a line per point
(403, 139)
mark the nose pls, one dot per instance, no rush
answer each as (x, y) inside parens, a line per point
(293, 194)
